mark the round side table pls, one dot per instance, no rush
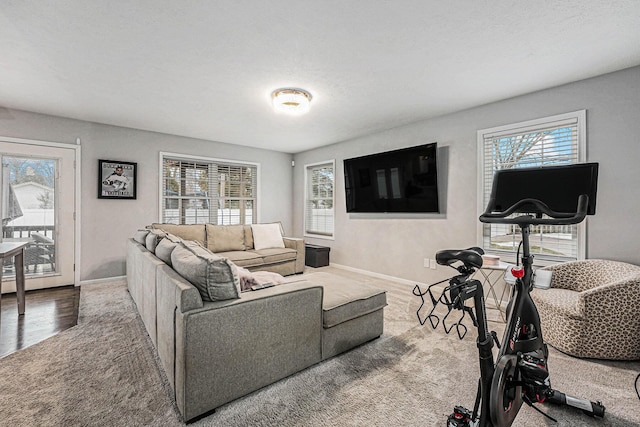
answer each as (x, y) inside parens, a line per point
(490, 276)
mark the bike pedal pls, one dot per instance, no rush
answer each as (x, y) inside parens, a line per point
(461, 417)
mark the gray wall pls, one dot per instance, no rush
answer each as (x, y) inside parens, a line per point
(106, 224)
(397, 247)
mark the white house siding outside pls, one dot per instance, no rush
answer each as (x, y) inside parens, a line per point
(30, 197)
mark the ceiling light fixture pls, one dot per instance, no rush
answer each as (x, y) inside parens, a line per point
(291, 101)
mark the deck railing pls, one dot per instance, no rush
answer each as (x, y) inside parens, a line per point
(39, 258)
(24, 231)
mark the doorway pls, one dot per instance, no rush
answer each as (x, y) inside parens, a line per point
(37, 200)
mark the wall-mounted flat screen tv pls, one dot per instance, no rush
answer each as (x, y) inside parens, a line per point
(399, 181)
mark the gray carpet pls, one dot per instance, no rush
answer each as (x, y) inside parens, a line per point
(103, 372)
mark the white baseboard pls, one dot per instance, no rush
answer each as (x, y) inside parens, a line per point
(100, 281)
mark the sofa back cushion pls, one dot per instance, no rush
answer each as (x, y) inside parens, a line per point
(141, 237)
(194, 232)
(248, 237)
(153, 238)
(165, 247)
(215, 277)
(225, 238)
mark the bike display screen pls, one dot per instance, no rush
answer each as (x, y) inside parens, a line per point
(556, 186)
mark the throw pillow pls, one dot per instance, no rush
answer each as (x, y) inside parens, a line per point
(267, 236)
(215, 277)
(141, 237)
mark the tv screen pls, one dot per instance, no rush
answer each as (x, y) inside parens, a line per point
(402, 181)
(557, 186)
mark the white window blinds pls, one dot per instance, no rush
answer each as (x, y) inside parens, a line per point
(197, 191)
(552, 141)
(319, 213)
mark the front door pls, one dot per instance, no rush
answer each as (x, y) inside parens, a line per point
(37, 199)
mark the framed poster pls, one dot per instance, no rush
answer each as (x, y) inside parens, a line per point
(116, 179)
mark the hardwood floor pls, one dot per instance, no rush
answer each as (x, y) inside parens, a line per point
(47, 312)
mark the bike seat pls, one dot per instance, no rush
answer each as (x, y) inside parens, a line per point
(470, 257)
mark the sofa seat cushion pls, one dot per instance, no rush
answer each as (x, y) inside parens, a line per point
(273, 255)
(242, 258)
(346, 301)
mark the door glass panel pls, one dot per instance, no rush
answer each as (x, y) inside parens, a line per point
(28, 211)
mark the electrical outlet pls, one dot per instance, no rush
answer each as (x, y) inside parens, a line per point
(432, 264)
(426, 263)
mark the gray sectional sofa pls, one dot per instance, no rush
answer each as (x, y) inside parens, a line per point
(216, 351)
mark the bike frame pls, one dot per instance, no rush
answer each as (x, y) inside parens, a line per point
(521, 311)
(522, 308)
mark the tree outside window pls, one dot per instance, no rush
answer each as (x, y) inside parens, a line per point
(553, 141)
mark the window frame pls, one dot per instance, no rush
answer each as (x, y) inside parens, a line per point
(164, 155)
(523, 127)
(307, 169)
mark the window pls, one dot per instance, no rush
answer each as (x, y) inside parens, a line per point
(552, 141)
(318, 208)
(200, 190)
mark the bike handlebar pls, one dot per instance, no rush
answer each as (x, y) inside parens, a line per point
(557, 218)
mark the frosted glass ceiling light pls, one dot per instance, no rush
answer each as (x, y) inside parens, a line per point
(291, 101)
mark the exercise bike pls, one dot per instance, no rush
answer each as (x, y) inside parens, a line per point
(520, 372)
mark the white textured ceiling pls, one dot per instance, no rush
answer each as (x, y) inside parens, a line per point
(205, 69)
